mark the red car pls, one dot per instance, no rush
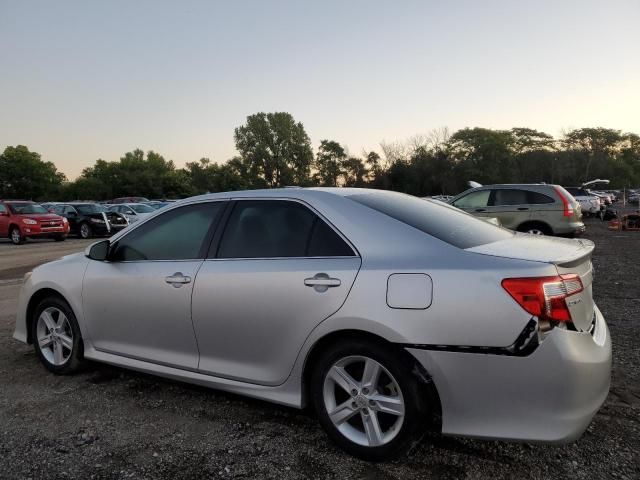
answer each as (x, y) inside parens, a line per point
(21, 219)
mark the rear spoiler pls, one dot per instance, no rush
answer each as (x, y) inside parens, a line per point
(588, 247)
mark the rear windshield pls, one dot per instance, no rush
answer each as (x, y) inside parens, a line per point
(437, 219)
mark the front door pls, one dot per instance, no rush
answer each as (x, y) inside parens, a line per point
(138, 303)
(278, 272)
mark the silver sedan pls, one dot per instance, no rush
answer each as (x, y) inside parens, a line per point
(387, 313)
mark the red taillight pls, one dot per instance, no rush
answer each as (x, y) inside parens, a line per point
(544, 297)
(566, 203)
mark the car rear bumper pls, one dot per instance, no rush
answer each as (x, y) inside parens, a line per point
(550, 395)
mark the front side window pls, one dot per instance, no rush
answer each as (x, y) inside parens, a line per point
(2, 208)
(474, 199)
(276, 229)
(179, 234)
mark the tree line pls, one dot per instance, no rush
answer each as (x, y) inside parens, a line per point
(274, 150)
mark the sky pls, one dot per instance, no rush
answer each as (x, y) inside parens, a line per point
(82, 80)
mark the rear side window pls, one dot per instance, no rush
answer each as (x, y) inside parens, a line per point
(509, 197)
(3, 208)
(537, 198)
(512, 196)
(278, 228)
(446, 223)
(175, 235)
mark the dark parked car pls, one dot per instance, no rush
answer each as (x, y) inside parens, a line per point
(89, 219)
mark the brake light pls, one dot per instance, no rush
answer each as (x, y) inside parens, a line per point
(544, 297)
(566, 203)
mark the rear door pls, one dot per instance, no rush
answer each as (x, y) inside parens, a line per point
(510, 205)
(278, 271)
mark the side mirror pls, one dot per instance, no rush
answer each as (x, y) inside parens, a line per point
(4, 214)
(98, 251)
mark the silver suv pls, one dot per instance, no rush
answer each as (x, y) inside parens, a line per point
(539, 209)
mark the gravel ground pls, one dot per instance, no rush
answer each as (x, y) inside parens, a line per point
(110, 423)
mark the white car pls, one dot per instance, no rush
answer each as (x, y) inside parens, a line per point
(589, 203)
(132, 211)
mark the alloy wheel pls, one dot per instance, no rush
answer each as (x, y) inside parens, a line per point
(363, 401)
(85, 231)
(15, 236)
(54, 336)
(535, 231)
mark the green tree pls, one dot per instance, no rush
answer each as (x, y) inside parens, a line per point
(24, 175)
(275, 149)
(329, 163)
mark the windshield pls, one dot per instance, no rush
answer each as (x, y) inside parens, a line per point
(141, 208)
(26, 208)
(437, 219)
(89, 209)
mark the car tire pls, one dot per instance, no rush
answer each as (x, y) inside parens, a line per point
(56, 336)
(535, 228)
(16, 236)
(60, 238)
(85, 231)
(359, 425)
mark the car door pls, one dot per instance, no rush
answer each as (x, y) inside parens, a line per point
(72, 216)
(510, 205)
(475, 202)
(277, 271)
(138, 303)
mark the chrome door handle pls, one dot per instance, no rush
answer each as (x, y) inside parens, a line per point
(177, 279)
(321, 282)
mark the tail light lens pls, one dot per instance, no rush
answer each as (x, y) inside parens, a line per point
(567, 202)
(544, 297)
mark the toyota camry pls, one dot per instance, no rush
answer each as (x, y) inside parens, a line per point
(384, 312)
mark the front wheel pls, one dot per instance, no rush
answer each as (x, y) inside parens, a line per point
(367, 399)
(85, 231)
(15, 236)
(57, 339)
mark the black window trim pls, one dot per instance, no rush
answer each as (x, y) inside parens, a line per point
(215, 244)
(206, 243)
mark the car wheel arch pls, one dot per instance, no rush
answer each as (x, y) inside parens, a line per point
(34, 301)
(417, 369)
(545, 227)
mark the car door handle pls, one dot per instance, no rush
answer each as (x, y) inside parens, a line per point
(177, 279)
(321, 282)
(481, 209)
(523, 208)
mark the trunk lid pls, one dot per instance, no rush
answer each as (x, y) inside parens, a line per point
(567, 255)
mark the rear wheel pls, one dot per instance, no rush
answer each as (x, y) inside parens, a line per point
(85, 231)
(56, 336)
(15, 236)
(367, 400)
(535, 228)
